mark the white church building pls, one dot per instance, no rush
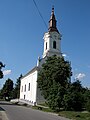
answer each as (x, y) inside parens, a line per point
(29, 92)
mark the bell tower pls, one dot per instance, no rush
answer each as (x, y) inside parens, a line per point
(52, 38)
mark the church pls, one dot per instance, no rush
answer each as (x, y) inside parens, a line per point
(29, 92)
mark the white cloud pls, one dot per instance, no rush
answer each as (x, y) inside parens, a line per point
(80, 76)
(64, 55)
(6, 72)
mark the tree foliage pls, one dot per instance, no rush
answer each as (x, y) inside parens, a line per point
(16, 90)
(1, 66)
(7, 89)
(87, 99)
(53, 79)
(54, 83)
(73, 99)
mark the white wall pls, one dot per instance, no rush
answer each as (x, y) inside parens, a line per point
(29, 95)
(49, 38)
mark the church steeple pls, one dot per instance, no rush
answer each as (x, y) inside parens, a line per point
(52, 38)
(52, 22)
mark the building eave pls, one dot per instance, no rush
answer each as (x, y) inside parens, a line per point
(31, 71)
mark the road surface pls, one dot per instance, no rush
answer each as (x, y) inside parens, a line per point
(15, 112)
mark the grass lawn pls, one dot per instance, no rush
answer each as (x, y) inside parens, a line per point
(42, 109)
(68, 114)
(84, 115)
(75, 115)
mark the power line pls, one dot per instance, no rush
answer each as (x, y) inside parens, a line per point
(40, 14)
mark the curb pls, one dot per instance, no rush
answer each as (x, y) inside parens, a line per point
(3, 116)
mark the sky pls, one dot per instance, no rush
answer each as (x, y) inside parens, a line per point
(22, 30)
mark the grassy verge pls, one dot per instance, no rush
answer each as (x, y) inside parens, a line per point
(75, 115)
(43, 104)
(42, 109)
(68, 114)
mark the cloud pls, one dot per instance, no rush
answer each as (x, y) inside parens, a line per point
(64, 55)
(80, 76)
(6, 72)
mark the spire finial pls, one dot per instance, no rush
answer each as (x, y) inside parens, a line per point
(53, 8)
(52, 22)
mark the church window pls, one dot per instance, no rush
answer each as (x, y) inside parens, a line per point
(25, 88)
(46, 45)
(22, 89)
(24, 96)
(54, 44)
(29, 87)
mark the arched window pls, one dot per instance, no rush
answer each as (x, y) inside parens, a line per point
(46, 45)
(54, 44)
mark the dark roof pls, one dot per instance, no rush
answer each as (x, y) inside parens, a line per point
(52, 22)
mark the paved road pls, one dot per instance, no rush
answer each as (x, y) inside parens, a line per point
(14, 112)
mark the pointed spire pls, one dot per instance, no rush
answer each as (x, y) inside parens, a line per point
(52, 22)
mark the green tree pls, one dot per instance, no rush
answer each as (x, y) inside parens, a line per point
(16, 91)
(88, 105)
(53, 80)
(73, 99)
(1, 66)
(7, 89)
(87, 99)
